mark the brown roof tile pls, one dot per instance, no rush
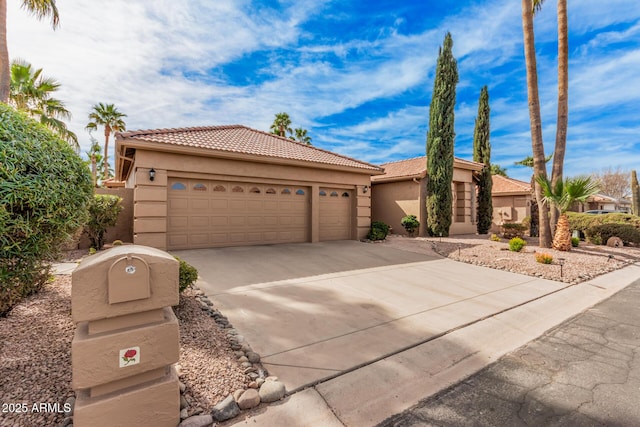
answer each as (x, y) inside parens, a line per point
(416, 168)
(502, 184)
(244, 140)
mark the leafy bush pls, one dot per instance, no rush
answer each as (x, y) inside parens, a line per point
(516, 244)
(526, 222)
(117, 243)
(410, 223)
(495, 238)
(103, 213)
(582, 222)
(44, 190)
(599, 234)
(188, 274)
(511, 230)
(544, 258)
(379, 231)
(575, 242)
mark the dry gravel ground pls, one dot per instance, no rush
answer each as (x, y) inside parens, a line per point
(580, 264)
(35, 338)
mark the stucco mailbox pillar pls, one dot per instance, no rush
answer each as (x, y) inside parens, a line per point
(127, 338)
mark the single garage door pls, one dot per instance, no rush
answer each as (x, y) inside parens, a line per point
(335, 214)
(204, 214)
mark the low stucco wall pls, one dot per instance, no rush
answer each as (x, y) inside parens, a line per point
(392, 201)
(510, 208)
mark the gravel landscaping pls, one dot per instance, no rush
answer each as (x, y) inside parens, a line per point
(215, 362)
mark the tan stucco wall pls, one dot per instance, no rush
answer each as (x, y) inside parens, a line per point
(150, 209)
(510, 208)
(393, 200)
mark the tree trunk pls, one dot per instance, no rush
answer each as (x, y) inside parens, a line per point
(94, 170)
(107, 132)
(539, 166)
(563, 101)
(562, 238)
(5, 68)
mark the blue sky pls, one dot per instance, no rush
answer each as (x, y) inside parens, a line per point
(357, 74)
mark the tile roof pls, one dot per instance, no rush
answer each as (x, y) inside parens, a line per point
(244, 140)
(416, 168)
(503, 184)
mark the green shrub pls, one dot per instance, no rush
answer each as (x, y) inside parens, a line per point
(92, 251)
(575, 242)
(379, 231)
(495, 238)
(511, 230)
(599, 234)
(44, 190)
(544, 258)
(516, 244)
(103, 213)
(582, 222)
(117, 242)
(526, 222)
(188, 274)
(410, 223)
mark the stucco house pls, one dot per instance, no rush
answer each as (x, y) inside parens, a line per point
(401, 191)
(511, 199)
(231, 185)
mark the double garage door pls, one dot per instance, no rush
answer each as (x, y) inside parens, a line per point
(207, 213)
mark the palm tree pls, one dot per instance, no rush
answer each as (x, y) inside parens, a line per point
(562, 195)
(301, 136)
(41, 9)
(31, 92)
(539, 166)
(281, 125)
(106, 115)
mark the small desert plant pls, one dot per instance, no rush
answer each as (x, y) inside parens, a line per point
(92, 251)
(188, 274)
(379, 231)
(575, 242)
(510, 230)
(117, 243)
(495, 238)
(516, 244)
(103, 213)
(410, 223)
(544, 258)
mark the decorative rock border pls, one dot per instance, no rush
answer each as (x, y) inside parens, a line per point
(262, 388)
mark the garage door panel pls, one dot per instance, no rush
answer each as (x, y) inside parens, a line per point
(219, 204)
(336, 214)
(199, 221)
(178, 204)
(206, 213)
(199, 204)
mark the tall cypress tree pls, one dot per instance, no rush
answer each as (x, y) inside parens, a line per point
(635, 194)
(440, 138)
(482, 154)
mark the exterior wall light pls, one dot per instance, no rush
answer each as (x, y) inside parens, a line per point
(365, 188)
(152, 174)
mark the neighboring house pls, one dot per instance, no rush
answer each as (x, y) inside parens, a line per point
(602, 202)
(401, 191)
(511, 200)
(231, 186)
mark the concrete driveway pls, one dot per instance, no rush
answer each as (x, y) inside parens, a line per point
(359, 332)
(316, 311)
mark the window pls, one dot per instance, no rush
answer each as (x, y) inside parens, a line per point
(285, 191)
(219, 188)
(255, 190)
(199, 187)
(299, 192)
(237, 189)
(345, 194)
(334, 194)
(178, 186)
(323, 193)
(270, 191)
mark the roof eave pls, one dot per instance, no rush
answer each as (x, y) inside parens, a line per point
(137, 143)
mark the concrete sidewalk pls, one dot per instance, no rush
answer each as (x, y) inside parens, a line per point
(368, 393)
